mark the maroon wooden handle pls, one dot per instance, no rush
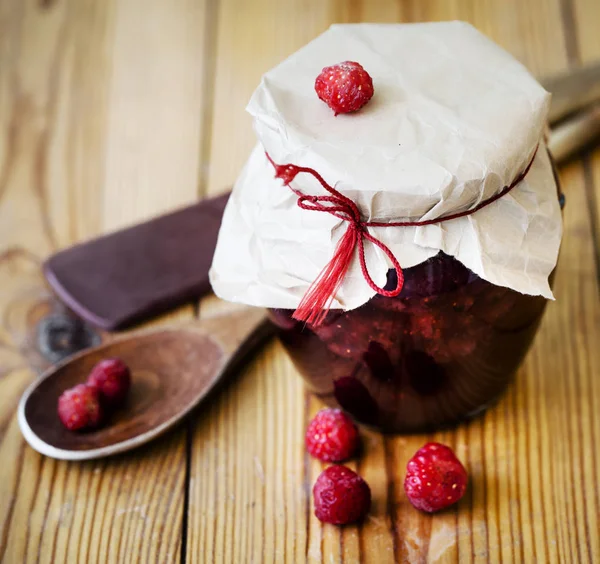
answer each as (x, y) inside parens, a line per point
(133, 274)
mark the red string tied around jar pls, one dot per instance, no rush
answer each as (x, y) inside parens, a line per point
(316, 302)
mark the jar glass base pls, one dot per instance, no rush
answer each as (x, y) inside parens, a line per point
(440, 353)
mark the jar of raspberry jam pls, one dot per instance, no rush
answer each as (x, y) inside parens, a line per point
(404, 249)
(442, 351)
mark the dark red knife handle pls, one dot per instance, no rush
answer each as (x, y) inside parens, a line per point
(136, 273)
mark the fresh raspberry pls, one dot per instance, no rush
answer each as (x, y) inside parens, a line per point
(341, 496)
(435, 478)
(345, 87)
(331, 436)
(113, 380)
(79, 408)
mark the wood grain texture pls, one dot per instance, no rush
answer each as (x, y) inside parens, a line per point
(114, 111)
(91, 138)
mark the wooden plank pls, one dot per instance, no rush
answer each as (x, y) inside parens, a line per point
(566, 364)
(588, 50)
(592, 184)
(100, 123)
(586, 321)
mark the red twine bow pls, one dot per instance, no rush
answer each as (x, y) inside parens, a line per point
(317, 300)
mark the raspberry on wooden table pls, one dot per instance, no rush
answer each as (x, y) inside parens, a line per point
(341, 496)
(435, 478)
(79, 408)
(331, 436)
(345, 87)
(113, 380)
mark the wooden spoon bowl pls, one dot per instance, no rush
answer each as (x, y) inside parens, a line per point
(172, 371)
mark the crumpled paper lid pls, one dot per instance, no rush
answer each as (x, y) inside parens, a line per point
(453, 120)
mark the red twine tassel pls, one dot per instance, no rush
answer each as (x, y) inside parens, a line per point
(317, 300)
(315, 303)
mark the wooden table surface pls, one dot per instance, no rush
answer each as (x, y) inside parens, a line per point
(113, 111)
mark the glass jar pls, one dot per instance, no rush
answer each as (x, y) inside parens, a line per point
(442, 351)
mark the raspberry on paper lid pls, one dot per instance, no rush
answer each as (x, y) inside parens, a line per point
(454, 119)
(450, 109)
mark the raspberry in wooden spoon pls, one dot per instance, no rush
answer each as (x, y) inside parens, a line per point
(113, 380)
(79, 408)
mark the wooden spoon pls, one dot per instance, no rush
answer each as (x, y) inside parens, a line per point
(173, 369)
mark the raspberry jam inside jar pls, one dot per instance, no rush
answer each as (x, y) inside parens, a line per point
(440, 352)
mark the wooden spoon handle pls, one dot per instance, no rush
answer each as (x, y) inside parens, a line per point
(237, 331)
(572, 90)
(570, 137)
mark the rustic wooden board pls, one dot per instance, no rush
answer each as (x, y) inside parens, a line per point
(117, 110)
(92, 137)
